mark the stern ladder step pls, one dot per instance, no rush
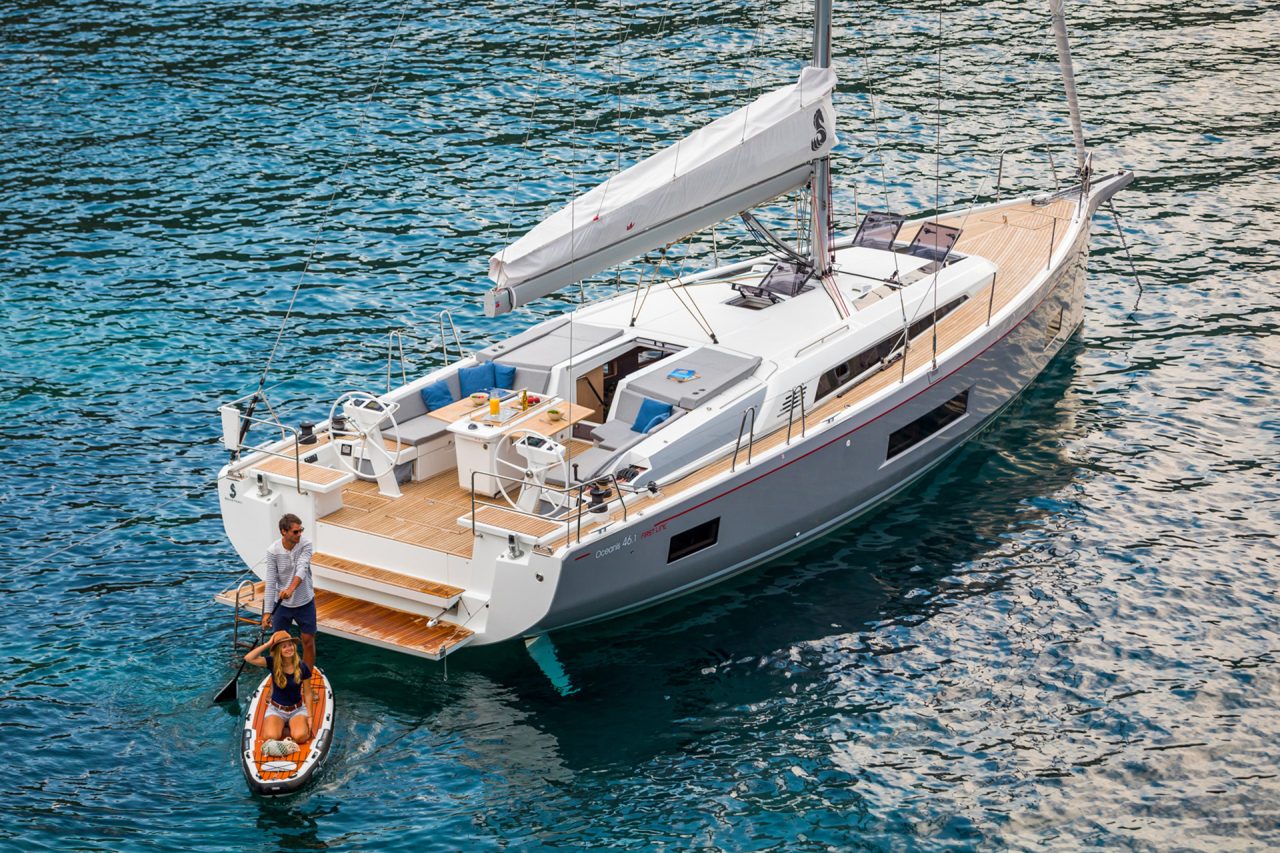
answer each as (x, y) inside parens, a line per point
(363, 575)
(366, 622)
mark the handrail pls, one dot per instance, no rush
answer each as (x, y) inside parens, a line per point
(751, 437)
(297, 452)
(1053, 168)
(395, 338)
(567, 491)
(791, 410)
(1053, 238)
(446, 314)
(1000, 173)
(235, 625)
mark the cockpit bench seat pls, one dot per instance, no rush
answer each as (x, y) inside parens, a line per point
(422, 429)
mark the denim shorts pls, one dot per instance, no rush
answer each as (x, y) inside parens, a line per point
(273, 711)
(304, 615)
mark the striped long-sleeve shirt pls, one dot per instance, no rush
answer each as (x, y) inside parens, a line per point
(282, 567)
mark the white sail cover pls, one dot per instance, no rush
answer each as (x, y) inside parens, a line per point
(744, 159)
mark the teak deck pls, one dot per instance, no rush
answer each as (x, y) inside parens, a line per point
(363, 620)
(517, 522)
(308, 473)
(426, 514)
(385, 576)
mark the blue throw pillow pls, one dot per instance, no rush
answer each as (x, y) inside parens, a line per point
(504, 376)
(437, 395)
(650, 415)
(478, 379)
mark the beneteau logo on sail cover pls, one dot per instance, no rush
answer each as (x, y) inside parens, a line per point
(819, 122)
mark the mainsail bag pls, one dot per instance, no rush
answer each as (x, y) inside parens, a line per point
(744, 159)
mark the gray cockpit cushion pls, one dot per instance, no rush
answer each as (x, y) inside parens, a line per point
(416, 427)
(411, 403)
(411, 406)
(536, 349)
(513, 343)
(617, 434)
(589, 464)
(420, 430)
(715, 369)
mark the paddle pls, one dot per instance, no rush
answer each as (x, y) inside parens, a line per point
(231, 692)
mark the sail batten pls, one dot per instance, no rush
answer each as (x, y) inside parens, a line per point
(736, 162)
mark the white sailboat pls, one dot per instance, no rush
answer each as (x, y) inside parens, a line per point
(646, 445)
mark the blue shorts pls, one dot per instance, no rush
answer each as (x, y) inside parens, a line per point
(304, 615)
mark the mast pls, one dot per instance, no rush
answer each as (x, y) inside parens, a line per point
(1068, 79)
(820, 245)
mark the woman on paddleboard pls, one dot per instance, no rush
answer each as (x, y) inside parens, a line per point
(290, 685)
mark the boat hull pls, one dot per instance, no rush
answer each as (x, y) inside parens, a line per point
(834, 474)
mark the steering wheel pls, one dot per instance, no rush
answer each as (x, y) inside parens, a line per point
(367, 402)
(531, 475)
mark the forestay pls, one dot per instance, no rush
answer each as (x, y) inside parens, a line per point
(744, 159)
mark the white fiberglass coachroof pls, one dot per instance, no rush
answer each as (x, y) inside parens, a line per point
(780, 332)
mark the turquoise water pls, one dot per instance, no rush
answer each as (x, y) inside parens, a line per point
(1065, 638)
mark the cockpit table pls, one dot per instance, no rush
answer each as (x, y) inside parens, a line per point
(479, 439)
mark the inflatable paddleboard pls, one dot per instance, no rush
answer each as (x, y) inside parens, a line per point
(277, 776)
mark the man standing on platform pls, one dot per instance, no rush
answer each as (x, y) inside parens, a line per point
(289, 582)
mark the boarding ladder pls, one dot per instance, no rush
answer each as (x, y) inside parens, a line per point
(244, 603)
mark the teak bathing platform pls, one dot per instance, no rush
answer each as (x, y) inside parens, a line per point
(371, 623)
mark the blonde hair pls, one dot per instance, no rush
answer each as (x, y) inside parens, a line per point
(279, 676)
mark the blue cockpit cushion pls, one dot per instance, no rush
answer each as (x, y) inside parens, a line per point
(437, 395)
(504, 376)
(476, 380)
(650, 415)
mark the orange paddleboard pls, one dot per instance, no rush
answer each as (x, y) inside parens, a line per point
(277, 776)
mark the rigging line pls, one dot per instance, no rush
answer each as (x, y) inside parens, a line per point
(1132, 266)
(528, 130)
(315, 244)
(880, 150)
(677, 285)
(937, 180)
(972, 204)
(680, 284)
(635, 314)
(573, 176)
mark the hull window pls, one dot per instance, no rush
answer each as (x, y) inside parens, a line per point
(694, 540)
(922, 427)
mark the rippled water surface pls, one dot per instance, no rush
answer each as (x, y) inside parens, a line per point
(1066, 637)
